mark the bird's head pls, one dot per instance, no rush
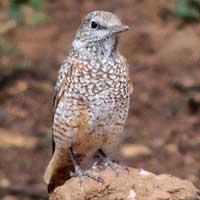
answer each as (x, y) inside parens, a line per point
(100, 27)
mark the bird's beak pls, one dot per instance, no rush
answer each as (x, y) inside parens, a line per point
(119, 29)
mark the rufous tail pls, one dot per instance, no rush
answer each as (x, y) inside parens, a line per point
(58, 170)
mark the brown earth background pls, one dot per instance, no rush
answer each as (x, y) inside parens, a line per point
(163, 129)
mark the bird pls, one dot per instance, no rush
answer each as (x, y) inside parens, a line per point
(91, 102)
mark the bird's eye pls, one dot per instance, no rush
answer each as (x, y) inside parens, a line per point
(94, 25)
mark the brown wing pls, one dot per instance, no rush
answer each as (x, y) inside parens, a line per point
(130, 84)
(56, 99)
(64, 72)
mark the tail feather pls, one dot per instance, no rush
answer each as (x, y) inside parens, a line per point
(58, 170)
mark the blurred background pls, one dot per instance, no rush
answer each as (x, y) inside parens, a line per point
(163, 50)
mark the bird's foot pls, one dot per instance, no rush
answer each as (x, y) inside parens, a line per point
(88, 173)
(80, 173)
(116, 168)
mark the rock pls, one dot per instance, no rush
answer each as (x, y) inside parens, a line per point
(7, 26)
(4, 182)
(194, 103)
(9, 138)
(131, 184)
(9, 197)
(135, 150)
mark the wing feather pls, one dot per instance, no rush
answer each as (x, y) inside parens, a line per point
(130, 84)
(63, 74)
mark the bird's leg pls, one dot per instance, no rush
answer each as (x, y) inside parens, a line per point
(108, 162)
(80, 173)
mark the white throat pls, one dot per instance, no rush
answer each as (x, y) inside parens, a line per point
(109, 46)
(100, 49)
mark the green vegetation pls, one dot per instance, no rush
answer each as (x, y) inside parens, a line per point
(8, 49)
(21, 65)
(18, 63)
(17, 12)
(187, 9)
(37, 18)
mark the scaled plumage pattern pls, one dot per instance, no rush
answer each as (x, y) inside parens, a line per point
(92, 96)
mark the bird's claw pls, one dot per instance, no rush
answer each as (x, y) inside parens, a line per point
(88, 173)
(116, 168)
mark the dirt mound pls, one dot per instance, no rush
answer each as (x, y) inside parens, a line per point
(129, 185)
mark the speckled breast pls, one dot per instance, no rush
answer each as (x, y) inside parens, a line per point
(103, 88)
